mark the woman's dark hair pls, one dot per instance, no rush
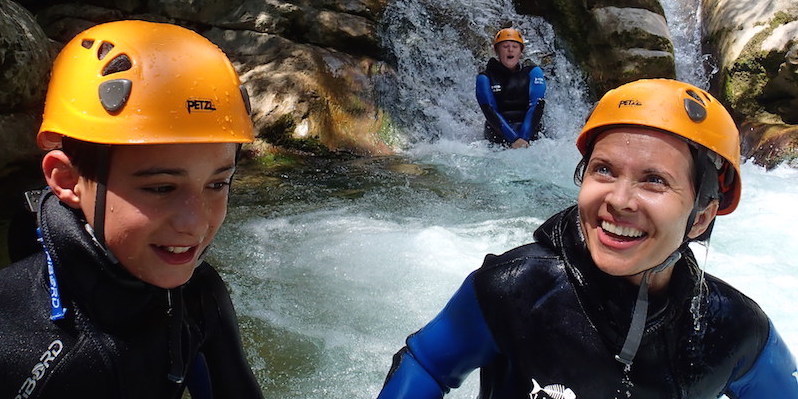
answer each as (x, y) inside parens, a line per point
(85, 156)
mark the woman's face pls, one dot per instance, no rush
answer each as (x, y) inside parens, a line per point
(635, 199)
(509, 53)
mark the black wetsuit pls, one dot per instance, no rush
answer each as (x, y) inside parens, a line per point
(121, 337)
(511, 100)
(542, 321)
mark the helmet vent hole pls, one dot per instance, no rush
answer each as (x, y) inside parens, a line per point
(87, 43)
(118, 64)
(695, 95)
(104, 49)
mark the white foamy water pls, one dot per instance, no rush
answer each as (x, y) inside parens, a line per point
(329, 290)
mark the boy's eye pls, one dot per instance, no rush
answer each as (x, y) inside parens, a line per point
(219, 185)
(159, 189)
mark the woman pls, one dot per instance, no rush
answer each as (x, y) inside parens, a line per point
(609, 302)
(511, 96)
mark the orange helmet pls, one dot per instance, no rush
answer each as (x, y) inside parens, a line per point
(137, 82)
(681, 109)
(508, 34)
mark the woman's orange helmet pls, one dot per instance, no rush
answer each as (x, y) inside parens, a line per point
(681, 109)
(508, 34)
(136, 82)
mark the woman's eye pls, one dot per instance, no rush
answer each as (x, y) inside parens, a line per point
(602, 170)
(654, 179)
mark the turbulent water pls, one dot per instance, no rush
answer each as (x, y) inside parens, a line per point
(333, 263)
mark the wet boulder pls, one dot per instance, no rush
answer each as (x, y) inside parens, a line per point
(615, 41)
(310, 65)
(25, 57)
(756, 46)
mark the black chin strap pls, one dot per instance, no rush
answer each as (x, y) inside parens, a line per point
(102, 190)
(706, 189)
(640, 312)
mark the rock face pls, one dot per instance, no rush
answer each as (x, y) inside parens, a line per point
(25, 59)
(615, 41)
(307, 64)
(756, 44)
(311, 65)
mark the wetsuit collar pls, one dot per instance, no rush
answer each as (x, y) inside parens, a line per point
(496, 67)
(105, 290)
(607, 300)
(113, 299)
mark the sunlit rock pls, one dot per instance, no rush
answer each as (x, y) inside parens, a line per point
(755, 43)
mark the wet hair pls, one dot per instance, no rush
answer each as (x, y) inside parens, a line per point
(85, 156)
(705, 179)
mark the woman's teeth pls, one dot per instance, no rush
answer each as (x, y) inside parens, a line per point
(621, 231)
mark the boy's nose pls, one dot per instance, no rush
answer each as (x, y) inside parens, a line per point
(190, 216)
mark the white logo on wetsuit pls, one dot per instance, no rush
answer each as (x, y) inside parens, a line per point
(496, 88)
(553, 391)
(40, 369)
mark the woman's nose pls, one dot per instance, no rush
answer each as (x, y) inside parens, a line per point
(622, 197)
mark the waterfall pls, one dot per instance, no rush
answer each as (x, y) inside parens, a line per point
(440, 46)
(684, 21)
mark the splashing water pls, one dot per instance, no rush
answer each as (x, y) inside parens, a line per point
(684, 22)
(625, 391)
(440, 46)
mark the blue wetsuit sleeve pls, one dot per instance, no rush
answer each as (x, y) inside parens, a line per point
(773, 375)
(537, 90)
(487, 102)
(442, 354)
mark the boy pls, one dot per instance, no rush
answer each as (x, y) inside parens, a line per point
(143, 122)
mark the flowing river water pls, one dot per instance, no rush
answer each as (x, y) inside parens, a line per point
(332, 263)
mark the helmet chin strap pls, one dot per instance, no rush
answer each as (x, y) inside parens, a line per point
(640, 312)
(99, 201)
(704, 187)
(98, 230)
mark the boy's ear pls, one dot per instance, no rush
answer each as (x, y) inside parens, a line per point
(62, 177)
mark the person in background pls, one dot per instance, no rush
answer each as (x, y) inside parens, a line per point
(509, 94)
(609, 301)
(143, 123)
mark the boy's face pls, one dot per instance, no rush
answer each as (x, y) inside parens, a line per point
(164, 206)
(509, 53)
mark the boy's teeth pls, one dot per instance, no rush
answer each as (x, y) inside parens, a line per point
(178, 250)
(621, 231)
